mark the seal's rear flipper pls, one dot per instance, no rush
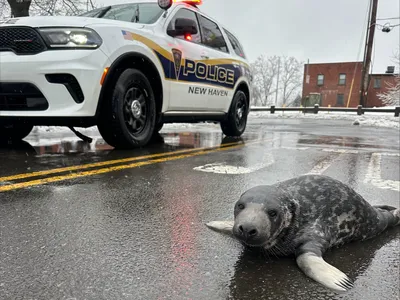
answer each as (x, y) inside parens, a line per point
(396, 214)
(393, 210)
(318, 269)
(225, 227)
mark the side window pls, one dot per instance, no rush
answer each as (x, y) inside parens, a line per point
(235, 44)
(186, 14)
(212, 35)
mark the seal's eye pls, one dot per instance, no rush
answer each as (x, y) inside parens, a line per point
(272, 213)
(241, 206)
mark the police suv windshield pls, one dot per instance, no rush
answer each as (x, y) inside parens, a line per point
(144, 13)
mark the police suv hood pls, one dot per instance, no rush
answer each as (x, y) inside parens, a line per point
(64, 21)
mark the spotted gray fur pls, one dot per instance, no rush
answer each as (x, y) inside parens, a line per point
(315, 213)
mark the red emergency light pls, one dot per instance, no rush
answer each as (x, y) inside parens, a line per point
(166, 4)
(193, 2)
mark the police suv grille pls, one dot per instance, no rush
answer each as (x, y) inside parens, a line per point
(21, 96)
(21, 40)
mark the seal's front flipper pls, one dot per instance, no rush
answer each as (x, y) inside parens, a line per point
(318, 269)
(225, 227)
(385, 207)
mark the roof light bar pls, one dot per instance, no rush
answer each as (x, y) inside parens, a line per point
(195, 2)
(166, 4)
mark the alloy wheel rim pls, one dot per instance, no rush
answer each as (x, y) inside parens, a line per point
(135, 110)
(240, 112)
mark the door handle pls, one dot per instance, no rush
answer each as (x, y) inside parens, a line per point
(205, 57)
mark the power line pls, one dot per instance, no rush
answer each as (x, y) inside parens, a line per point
(395, 18)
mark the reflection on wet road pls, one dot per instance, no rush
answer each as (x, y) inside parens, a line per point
(138, 232)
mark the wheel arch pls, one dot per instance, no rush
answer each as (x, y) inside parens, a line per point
(138, 61)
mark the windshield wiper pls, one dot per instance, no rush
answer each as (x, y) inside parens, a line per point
(104, 11)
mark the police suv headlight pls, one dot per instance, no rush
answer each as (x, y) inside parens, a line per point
(69, 38)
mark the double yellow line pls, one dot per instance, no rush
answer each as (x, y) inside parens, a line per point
(106, 166)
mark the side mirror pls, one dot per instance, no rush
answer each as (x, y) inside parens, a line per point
(183, 26)
(165, 4)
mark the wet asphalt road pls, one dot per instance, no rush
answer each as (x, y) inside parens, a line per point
(138, 233)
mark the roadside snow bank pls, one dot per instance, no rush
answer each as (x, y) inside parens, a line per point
(368, 119)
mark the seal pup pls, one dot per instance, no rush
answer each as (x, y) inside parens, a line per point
(305, 216)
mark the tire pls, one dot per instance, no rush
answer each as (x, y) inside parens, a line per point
(236, 122)
(14, 132)
(128, 120)
(159, 126)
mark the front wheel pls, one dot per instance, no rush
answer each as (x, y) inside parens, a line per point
(14, 132)
(129, 119)
(236, 121)
(159, 127)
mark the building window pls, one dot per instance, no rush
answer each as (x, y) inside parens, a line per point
(340, 100)
(342, 79)
(320, 79)
(377, 83)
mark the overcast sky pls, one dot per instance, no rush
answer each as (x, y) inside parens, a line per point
(322, 31)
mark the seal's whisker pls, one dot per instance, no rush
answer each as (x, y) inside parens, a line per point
(266, 254)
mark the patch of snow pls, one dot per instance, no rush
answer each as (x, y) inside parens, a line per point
(57, 129)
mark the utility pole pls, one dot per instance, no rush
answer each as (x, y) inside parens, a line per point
(368, 53)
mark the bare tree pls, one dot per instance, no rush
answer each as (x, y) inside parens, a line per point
(392, 96)
(19, 8)
(265, 70)
(24, 8)
(296, 102)
(256, 96)
(290, 79)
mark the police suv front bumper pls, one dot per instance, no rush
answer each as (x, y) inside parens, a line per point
(51, 83)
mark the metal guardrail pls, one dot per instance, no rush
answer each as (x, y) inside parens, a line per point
(315, 109)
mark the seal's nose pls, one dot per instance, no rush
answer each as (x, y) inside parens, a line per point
(248, 230)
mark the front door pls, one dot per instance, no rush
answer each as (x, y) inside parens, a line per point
(187, 93)
(223, 72)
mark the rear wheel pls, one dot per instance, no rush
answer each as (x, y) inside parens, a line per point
(128, 120)
(236, 121)
(14, 132)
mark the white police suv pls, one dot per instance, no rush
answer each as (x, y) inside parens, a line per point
(127, 68)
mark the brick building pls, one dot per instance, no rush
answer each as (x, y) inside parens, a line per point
(331, 84)
(378, 84)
